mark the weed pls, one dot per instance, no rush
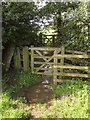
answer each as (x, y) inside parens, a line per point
(12, 83)
(9, 108)
(73, 102)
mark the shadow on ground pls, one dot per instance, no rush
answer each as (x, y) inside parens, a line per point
(38, 93)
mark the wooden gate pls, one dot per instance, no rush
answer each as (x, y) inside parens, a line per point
(40, 57)
(56, 58)
(61, 62)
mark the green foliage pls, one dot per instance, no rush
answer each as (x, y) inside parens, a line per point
(12, 83)
(76, 29)
(70, 87)
(20, 80)
(10, 109)
(19, 23)
(22, 99)
(28, 78)
(69, 100)
(71, 22)
(73, 102)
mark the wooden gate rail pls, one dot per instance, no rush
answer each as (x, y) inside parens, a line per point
(73, 67)
(72, 56)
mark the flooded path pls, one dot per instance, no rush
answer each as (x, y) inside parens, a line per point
(39, 92)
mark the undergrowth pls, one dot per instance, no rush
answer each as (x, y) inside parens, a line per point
(71, 100)
(10, 109)
(15, 81)
(11, 84)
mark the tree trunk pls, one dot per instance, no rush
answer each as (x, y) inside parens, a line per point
(7, 55)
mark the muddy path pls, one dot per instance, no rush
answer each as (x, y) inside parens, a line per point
(38, 93)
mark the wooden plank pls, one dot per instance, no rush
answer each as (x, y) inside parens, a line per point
(17, 59)
(74, 75)
(62, 62)
(36, 56)
(55, 69)
(72, 56)
(42, 73)
(32, 59)
(51, 63)
(44, 48)
(77, 52)
(25, 58)
(73, 67)
(35, 68)
(65, 74)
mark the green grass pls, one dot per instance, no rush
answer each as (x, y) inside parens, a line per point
(69, 100)
(15, 81)
(26, 79)
(72, 100)
(10, 109)
(12, 83)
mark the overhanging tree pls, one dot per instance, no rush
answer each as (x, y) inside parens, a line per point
(19, 27)
(19, 23)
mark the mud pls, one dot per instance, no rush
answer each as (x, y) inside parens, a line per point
(39, 92)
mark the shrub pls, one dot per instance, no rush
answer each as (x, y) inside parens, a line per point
(72, 101)
(12, 83)
(10, 109)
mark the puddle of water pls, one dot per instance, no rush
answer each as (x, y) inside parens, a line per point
(37, 93)
(45, 82)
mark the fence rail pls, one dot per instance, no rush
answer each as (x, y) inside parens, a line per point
(35, 58)
(72, 56)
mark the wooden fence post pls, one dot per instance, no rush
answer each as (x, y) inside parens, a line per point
(61, 63)
(55, 68)
(32, 59)
(25, 58)
(17, 59)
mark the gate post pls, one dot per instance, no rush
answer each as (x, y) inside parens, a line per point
(61, 63)
(17, 59)
(55, 68)
(25, 58)
(32, 59)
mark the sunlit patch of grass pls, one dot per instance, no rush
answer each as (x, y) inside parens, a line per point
(10, 109)
(71, 102)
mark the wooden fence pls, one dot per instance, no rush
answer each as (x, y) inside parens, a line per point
(36, 58)
(59, 70)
